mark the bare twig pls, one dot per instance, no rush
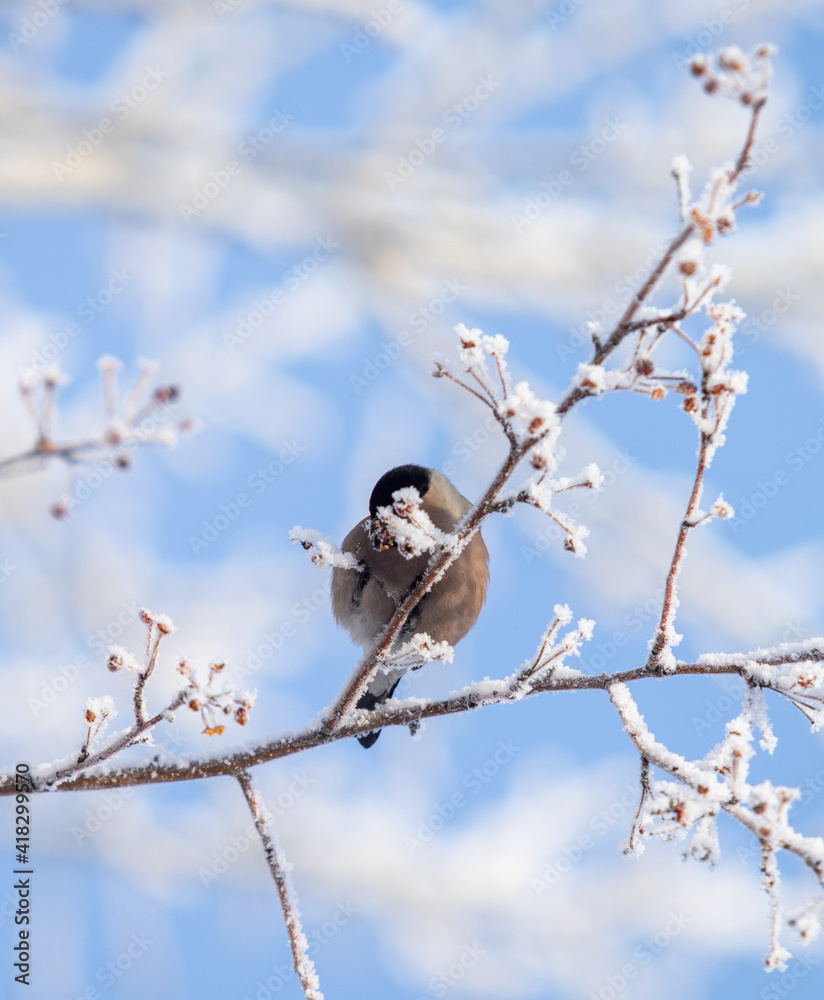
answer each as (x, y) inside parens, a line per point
(634, 846)
(663, 635)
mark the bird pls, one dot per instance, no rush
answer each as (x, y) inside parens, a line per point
(363, 601)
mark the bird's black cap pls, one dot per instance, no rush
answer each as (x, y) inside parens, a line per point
(397, 479)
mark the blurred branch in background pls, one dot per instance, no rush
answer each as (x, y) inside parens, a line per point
(145, 416)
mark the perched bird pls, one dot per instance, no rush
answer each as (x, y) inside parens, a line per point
(364, 602)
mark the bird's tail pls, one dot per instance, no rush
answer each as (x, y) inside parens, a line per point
(380, 690)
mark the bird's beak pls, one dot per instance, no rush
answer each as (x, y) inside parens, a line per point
(380, 535)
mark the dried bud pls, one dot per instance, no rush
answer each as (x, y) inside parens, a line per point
(686, 388)
(164, 627)
(114, 662)
(241, 716)
(731, 59)
(658, 393)
(698, 65)
(166, 393)
(59, 509)
(184, 668)
(746, 98)
(194, 704)
(725, 224)
(645, 366)
(711, 85)
(687, 267)
(122, 461)
(146, 616)
(537, 461)
(535, 425)
(90, 716)
(691, 404)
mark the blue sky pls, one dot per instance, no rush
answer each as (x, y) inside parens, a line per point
(200, 81)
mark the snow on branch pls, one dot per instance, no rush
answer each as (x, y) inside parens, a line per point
(322, 551)
(704, 788)
(210, 695)
(280, 870)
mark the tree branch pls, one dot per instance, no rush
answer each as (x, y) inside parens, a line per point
(279, 869)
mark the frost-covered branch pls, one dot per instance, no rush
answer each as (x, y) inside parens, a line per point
(145, 417)
(745, 79)
(280, 870)
(210, 696)
(718, 783)
(793, 670)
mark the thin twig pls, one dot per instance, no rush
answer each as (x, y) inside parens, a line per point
(632, 846)
(130, 736)
(661, 641)
(279, 869)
